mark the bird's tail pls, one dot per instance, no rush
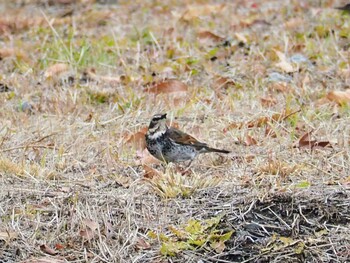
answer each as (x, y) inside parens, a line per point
(216, 150)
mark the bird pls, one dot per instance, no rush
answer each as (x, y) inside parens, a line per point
(169, 144)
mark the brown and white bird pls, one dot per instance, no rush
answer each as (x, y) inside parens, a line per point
(172, 145)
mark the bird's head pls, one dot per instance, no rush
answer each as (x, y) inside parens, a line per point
(157, 125)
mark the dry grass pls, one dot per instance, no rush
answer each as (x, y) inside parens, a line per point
(77, 82)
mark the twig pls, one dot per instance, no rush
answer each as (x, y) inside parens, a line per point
(250, 208)
(279, 218)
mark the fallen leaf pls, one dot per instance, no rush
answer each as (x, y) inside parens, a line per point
(339, 97)
(306, 141)
(46, 249)
(141, 244)
(137, 139)
(249, 140)
(88, 234)
(167, 86)
(149, 172)
(55, 70)
(222, 82)
(268, 101)
(89, 229)
(59, 246)
(209, 35)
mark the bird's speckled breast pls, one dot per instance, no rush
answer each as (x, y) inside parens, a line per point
(165, 149)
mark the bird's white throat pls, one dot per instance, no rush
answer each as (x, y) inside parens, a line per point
(156, 135)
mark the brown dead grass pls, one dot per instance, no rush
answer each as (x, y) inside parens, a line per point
(75, 81)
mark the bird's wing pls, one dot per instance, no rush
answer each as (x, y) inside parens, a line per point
(184, 138)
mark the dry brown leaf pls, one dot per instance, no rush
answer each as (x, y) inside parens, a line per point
(339, 97)
(222, 82)
(268, 101)
(149, 172)
(167, 86)
(141, 244)
(249, 140)
(306, 141)
(87, 234)
(46, 249)
(138, 139)
(55, 70)
(209, 35)
(59, 246)
(89, 229)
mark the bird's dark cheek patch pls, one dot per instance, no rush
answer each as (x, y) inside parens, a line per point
(153, 127)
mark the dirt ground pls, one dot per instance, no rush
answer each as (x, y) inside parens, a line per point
(267, 80)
